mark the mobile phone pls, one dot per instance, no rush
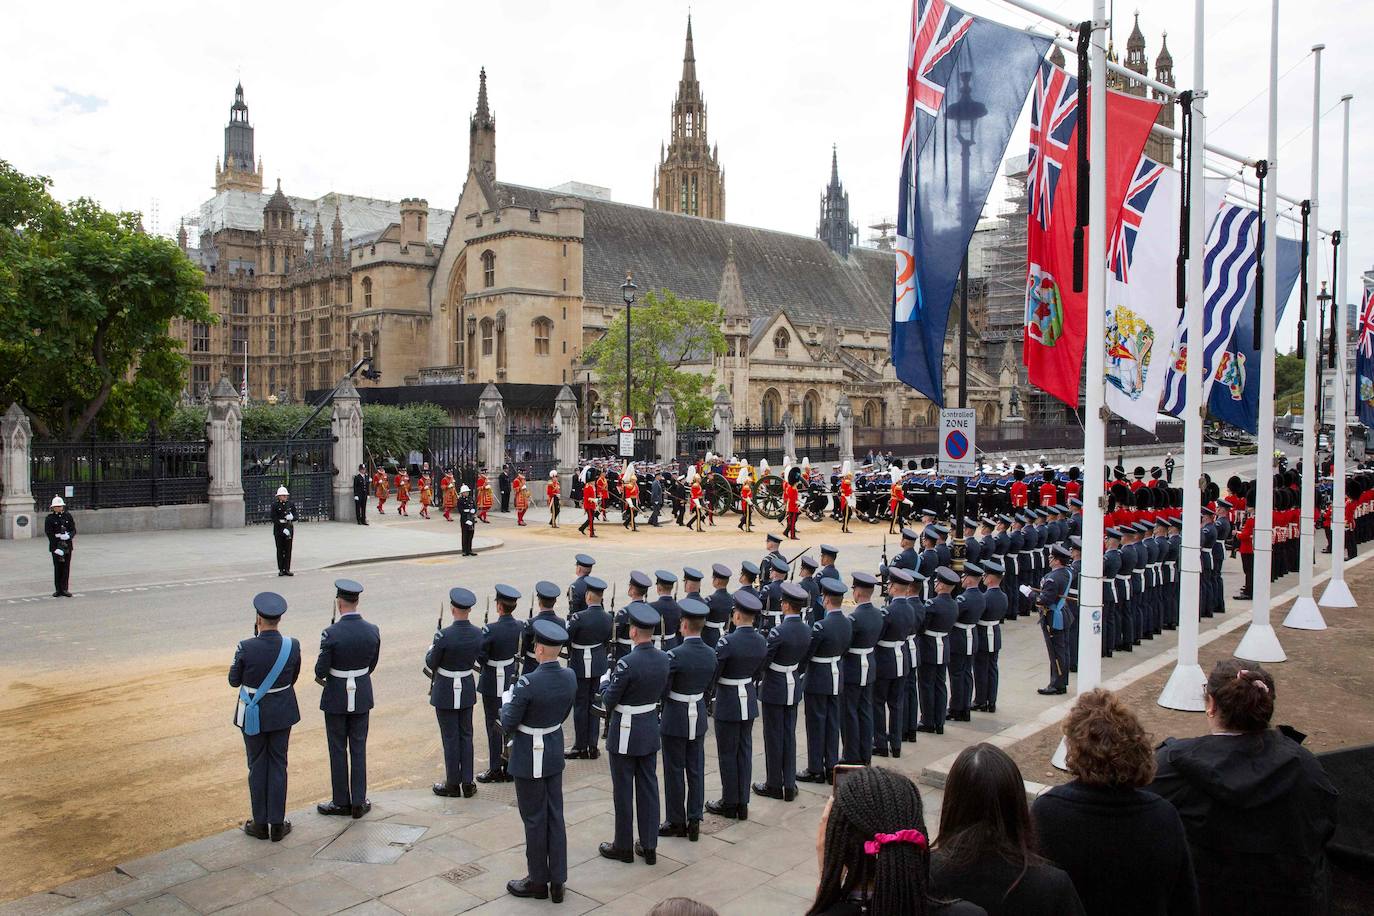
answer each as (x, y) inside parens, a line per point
(841, 770)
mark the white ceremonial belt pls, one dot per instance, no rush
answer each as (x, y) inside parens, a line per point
(939, 645)
(734, 681)
(741, 684)
(856, 650)
(626, 641)
(537, 745)
(716, 625)
(892, 643)
(350, 682)
(786, 670)
(968, 636)
(685, 697)
(587, 647)
(253, 690)
(627, 714)
(499, 663)
(965, 626)
(691, 699)
(457, 677)
(782, 669)
(896, 646)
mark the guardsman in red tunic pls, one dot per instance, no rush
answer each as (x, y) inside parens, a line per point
(588, 526)
(791, 503)
(426, 495)
(551, 491)
(629, 498)
(380, 487)
(522, 497)
(1020, 493)
(1074, 488)
(603, 495)
(894, 501)
(846, 498)
(449, 494)
(746, 502)
(1049, 493)
(694, 497)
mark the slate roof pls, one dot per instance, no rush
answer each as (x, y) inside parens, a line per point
(686, 254)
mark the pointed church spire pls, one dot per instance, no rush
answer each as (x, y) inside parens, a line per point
(731, 295)
(834, 165)
(483, 112)
(482, 134)
(834, 228)
(689, 58)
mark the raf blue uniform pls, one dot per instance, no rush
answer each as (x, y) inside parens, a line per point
(941, 613)
(631, 698)
(739, 658)
(545, 590)
(577, 592)
(533, 718)
(589, 635)
(859, 674)
(277, 712)
(1051, 600)
(962, 646)
(779, 693)
(670, 613)
(720, 604)
(823, 684)
(452, 659)
(498, 662)
(892, 662)
(349, 651)
(985, 662)
(691, 668)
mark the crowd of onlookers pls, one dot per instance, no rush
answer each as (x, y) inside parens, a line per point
(1235, 821)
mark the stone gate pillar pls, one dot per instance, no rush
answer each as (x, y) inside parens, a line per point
(17, 517)
(789, 438)
(491, 425)
(346, 426)
(844, 416)
(224, 455)
(565, 420)
(665, 421)
(723, 419)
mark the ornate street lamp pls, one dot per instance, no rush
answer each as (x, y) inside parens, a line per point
(627, 292)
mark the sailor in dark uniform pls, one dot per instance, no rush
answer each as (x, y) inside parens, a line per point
(989, 639)
(941, 612)
(638, 590)
(806, 578)
(630, 695)
(858, 673)
(771, 615)
(779, 693)
(823, 684)
(360, 494)
(739, 659)
(546, 593)
(1051, 599)
(499, 661)
(829, 555)
(267, 728)
(349, 650)
(670, 614)
(963, 643)
(691, 668)
(589, 637)
(720, 603)
(283, 529)
(891, 661)
(577, 592)
(451, 662)
(533, 718)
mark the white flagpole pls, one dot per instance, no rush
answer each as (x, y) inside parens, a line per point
(1094, 425)
(1261, 643)
(1184, 689)
(1305, 615)
(1337, 593)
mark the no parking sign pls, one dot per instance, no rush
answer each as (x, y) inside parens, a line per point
(958, 451)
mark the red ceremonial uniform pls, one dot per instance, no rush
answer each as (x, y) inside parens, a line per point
(1049, 494)
(1073, 489)
(1020, 494)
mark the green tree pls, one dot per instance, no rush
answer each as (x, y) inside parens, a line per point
(86, 300)
(667, 333)
(1288, 372)
(388, 432)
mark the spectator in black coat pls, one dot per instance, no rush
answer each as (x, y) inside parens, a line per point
(873, 851)
(986, 850)
(1124, 847)
(1258, 808)
(504, 483)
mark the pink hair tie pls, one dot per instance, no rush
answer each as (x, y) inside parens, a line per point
(880, 840)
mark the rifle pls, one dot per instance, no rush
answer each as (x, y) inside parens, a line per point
(794, 559)
(884, 567)
(438, 628)
(486, 612)
(333, 611)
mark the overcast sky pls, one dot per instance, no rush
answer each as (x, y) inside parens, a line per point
(126, 102)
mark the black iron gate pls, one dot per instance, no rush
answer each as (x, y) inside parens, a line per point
(820, 442)
(533, 450)
(454, 448)
(695, 441)
(753, 443)
(304, 466)
(646, 444)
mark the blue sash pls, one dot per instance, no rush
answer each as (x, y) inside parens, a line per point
(250, 703)
(1057, 618)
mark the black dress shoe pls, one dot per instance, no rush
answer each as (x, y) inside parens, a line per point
(693, 831)
(66, 594)
(650, 856)
(1052, 691)
(928, 729)
(445, 790)
(910, 734)
(593, 753)
(789, 794)
(556, 893)
(278, 831)
(721, 809)
(57, 594)
(992, 707)
(576, 753)
(360, 810)
(256, 831)
(469, 789)
(880, 752)
(288, 573)
(742, 812)
(767, 791)
(667, 828)
(608, 851)
(810, 776)
(495, 774)
(337, 810)
(524, 887)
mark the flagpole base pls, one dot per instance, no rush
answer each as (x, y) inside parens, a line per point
(1260, 644)
(1060, 760)
(1185, 689)
(1337, 594)
(1305, 615)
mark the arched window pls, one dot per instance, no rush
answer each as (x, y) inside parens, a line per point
(811, 408)
(488, 327)
(543, 330)
(488, 268)
(873, 413)
(367, 292)
(780, 342)
(772, 407)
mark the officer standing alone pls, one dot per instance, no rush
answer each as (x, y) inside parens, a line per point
(360, 484)
(691, 666)
(467, 518)
(349, 650)
(60, 529)
(453, 693)
(265, 670)
(283, 530)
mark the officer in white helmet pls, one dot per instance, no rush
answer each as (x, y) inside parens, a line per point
(60, 528)
(284, 529)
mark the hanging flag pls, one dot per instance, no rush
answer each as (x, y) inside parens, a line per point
(243, 389)
(1229, 277)
(967, 80)
(1140, 293)
(1235, 392)
(1364, 361)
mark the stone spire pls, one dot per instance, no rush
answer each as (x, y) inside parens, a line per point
(689, 178)
(834, 228)
(1135, 50)
(319, 235)
(689, 59)
(731, 295)
(181, 235)
(482, 134)
(238, 173)
(337, 234)
(1164, 63)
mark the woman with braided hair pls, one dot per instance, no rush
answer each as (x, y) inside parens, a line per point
(874, 852)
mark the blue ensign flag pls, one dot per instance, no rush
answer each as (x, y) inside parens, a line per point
(1364, 361)
(967, 80)
(1235, 391)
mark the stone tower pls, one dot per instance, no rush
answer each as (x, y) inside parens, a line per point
(732, 367)
(688, 178)
(482, 134)
(835, 229)
(238, 172)
(1160, 149)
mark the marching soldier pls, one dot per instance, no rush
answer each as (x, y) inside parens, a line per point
(691, 667)
(577, 592)
(402, 491)
(381, 487)
(890, 663)
(551, 491)
(483, 497)
(499, 661)
(448, 494)
(467, 520)
(739, 658)
(791, 501)
(547, 594)
(941, 612)
(894, 502)
(1051, 598)
(589, 634)
(283, 530)
(720, 604)
(349, 651)
(521, 491)
(846, 497)
(451, 661)
(426, 494)
(266, 710)
(985, 670)
(60, 529)
(533, 718)
(669, 612)
(360, 495)
(829, 642)
(630, 696)
(858, 671)
(629, 498)
(779, 694)
(588, 526)
(963, 643)
(746, 502)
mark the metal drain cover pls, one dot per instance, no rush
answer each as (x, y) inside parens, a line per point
(375, 843)
(462, 873)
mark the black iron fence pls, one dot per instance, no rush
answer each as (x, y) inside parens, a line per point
(920, 441)
(453, 448)
(646, 443)
(304, 466)
(533, 450)
(753, 443)
(819, 442)
(695, 441)
(92, 474)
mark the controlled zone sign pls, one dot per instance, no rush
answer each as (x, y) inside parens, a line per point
(958, 448)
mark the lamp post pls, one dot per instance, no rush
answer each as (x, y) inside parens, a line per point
(1324, 300)
(627, 292)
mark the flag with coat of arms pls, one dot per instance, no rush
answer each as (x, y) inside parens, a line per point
(1364, 360)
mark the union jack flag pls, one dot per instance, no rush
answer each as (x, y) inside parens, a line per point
(1054, 115)
(1138, 195)
(1367, 324)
